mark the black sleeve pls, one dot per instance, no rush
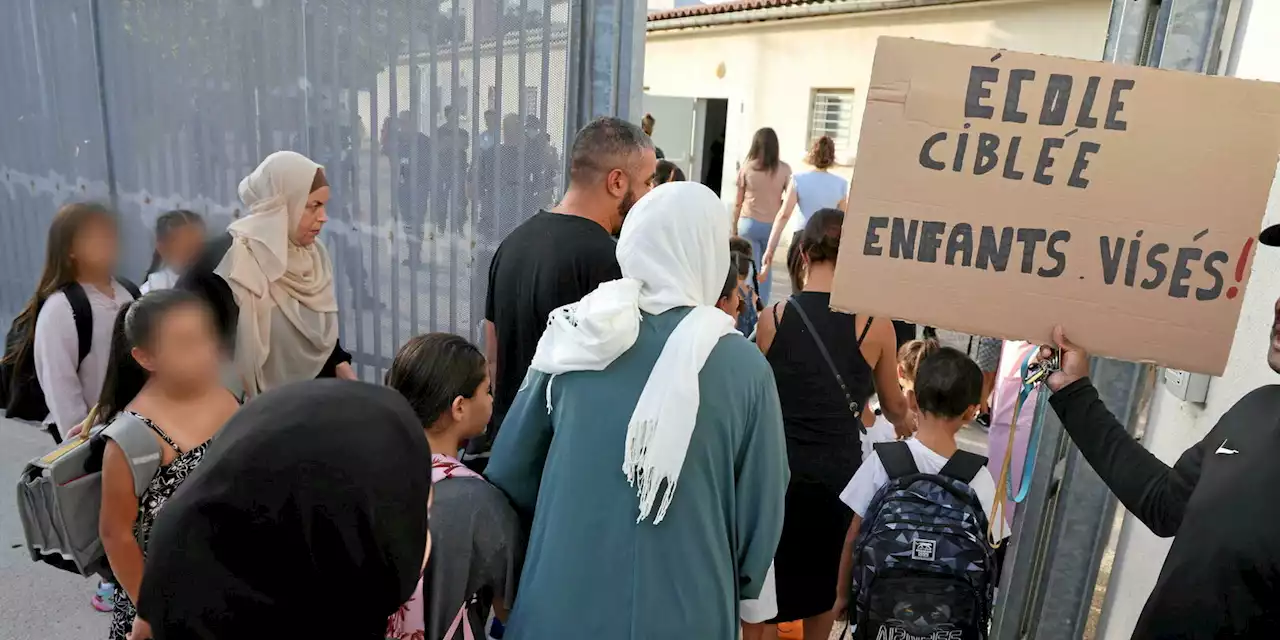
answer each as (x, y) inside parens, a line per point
(1149, 488)
(488, 295)
(339, 356)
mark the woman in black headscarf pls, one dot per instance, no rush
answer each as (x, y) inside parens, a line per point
(315, 485)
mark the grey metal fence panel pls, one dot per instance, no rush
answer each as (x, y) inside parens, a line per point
(52, 146)
(442, 124)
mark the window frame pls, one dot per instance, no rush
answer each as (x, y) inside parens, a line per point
(841, 129)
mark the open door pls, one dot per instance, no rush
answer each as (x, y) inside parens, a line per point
(677, 130)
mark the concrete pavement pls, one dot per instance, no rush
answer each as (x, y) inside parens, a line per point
(37, 601)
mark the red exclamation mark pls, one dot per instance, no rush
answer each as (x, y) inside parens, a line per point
(1244, 260)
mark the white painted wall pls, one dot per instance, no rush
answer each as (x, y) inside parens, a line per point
(1175, 425)
(771, 68)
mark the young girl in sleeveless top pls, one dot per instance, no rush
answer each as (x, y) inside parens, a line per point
(164, 371)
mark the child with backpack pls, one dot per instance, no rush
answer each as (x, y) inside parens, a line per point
(57, 348)
(164, 385)
(179, 240)
(917, 561)
(477, 544)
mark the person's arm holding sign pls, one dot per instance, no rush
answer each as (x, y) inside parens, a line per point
(1149, 488)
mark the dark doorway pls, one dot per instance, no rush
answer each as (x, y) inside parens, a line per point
(713, 143)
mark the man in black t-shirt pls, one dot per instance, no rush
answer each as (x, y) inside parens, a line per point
(558, 256)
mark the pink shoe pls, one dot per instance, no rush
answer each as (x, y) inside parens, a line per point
(104, 601)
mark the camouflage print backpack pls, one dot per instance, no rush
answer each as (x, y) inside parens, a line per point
(923, 568)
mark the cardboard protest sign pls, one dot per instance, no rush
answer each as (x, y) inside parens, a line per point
(1001, 193)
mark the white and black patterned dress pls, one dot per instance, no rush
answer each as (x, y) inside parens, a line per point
(165, 482)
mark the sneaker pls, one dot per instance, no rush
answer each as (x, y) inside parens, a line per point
(104, 600)
(983, 421)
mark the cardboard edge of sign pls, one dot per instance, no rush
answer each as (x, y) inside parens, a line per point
(1047, 341)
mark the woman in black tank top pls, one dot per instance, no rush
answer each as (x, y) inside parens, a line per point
(820, 411)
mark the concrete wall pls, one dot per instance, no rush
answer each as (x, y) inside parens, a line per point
(771, 68)
(1175, 425)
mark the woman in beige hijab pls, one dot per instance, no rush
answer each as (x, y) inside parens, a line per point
(270, 280)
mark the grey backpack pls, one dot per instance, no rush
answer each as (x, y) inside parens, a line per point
(59, 494)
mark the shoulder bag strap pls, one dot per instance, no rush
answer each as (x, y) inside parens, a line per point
(963, 466)
(854, 406)
(866, 328)
(139, 446)
(82, 313)
(896, 458)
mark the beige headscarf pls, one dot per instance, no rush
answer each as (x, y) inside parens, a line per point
(288, 324)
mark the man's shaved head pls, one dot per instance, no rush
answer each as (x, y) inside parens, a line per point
(603, 145)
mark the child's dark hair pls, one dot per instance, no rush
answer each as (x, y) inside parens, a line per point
(59, 269)
(668, 172)
(166, 224)
(819, 241)
(432, 369)
(948, 383)
(135, 326)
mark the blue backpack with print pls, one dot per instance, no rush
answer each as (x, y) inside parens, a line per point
(923, 568)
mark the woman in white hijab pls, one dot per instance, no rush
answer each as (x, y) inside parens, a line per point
(270, 280)
(649, 439)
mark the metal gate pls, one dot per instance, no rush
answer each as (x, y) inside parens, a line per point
(442, 124)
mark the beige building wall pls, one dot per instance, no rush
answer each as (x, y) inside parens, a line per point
(771, 68)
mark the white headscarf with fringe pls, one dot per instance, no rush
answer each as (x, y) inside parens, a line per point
(288, 324)
(674, 252)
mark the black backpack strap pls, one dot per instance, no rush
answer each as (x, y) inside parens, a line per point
(130, 287)
(82, 313)
(854, 406)
(963, 466)
(896, 458)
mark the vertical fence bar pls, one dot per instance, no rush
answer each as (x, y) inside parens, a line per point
(438, 207)
(95, 20)
(417, 236)
(375, 147)
(522, 157)
(501, 163)
(398, 215)
(457, 162)
(476, 199)
(353, 79)
(435, 205)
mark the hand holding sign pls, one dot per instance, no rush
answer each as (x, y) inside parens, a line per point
(1073, 361)
(1002, 193)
